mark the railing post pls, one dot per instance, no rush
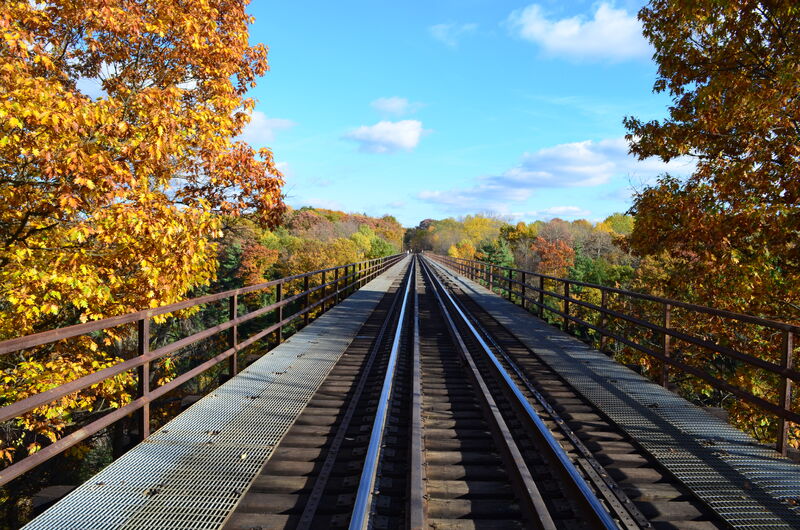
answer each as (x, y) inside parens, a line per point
(306, 299)
(324, 288)
(787, 362)
(278, 298)
(523, 301)
(143, 390)
(233, 338)
(491, 277)
(666, 347)
(603, 320)
(510, 283)
(336, 286)
(566, 306)
(541, 297)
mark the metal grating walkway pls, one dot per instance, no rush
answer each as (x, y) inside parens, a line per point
(191, 473)
(746, 483)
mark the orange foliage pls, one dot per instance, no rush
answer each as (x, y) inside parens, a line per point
(555, 257)
(727, 235)
(256, 261)
(110, 202)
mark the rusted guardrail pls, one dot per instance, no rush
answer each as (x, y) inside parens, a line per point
(515, 284)
(346, 279)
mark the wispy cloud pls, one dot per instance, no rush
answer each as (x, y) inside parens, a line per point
(611, 34)
(262, 128)
(564, 212)
(451, 34)
(387, 136)
(395, 105)
(587, 163)
(571, 165)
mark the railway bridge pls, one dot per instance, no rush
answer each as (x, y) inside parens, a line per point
(422, 391)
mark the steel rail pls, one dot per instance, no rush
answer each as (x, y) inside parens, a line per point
(532, 500)
(366, 486)
(785, 370)
(602, 519)
(417, 503)
(630, 516)
(321, 481)
(142, 401)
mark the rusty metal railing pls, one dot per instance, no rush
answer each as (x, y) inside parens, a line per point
(516, 285)
(346, 279)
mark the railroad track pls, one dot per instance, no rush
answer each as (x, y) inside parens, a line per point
(437, 417)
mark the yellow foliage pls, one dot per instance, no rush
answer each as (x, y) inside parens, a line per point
(110, 202)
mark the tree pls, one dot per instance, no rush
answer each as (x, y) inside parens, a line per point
(726, 236)
(555, 257)
(732, 71)
(464, 249)
(617, 223)
(111, 201)
(496, 252)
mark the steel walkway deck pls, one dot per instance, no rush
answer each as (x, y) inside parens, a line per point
(748, 484)
(191, 473)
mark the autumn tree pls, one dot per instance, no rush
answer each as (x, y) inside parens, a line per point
(463, 249)
(731, 229)
(727, 236)
(520, 237)
(555, 257)
(111, 198)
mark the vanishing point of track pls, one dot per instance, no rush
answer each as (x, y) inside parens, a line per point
(437, 417)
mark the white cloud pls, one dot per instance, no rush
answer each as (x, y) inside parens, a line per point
(284, 168)
(568, 212)
(262, 129)
(484, 196)
(387, 136)
(612, 34)
(395, 105)
(450, 34)
(586, 163)
(572, 165)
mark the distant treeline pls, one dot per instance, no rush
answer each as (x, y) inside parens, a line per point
(308, 239)
(578, 249)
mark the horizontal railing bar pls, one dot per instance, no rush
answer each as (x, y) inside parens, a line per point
(48, 452)
(48, 396)
(718, 383)
(16, 409)
(45, 337)
(713, 381)
(751, 319)
(672, 332)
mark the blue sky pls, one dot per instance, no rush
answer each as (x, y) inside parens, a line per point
(436, 109)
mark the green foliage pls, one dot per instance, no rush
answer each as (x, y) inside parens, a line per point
(497, 252)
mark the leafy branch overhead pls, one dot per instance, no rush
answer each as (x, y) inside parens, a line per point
(118, 163)
(108, 204)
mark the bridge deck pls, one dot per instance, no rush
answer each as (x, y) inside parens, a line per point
(191, 473)
(748, 484)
